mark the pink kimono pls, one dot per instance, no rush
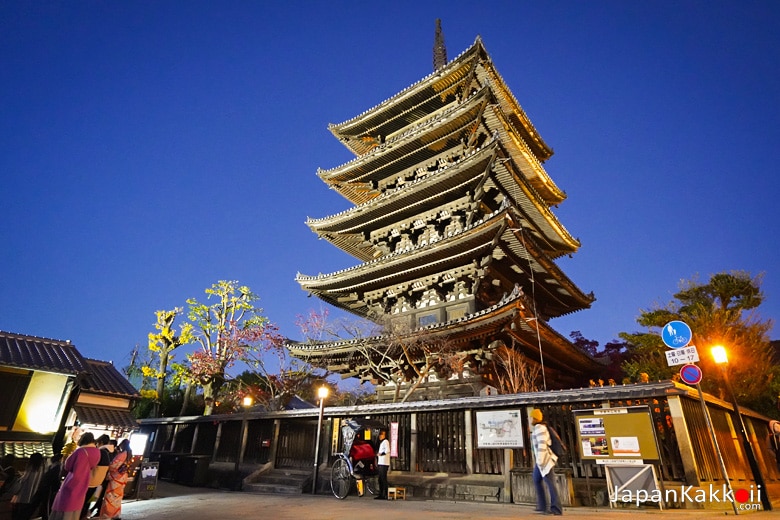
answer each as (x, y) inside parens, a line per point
(78, 466)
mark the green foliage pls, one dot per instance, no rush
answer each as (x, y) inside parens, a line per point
(230, 329)
(719, 312)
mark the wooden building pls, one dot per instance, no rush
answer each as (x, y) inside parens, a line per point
(453, 225)
(439, 453)
(48, 388)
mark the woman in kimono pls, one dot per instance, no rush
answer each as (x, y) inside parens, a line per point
(118, 474)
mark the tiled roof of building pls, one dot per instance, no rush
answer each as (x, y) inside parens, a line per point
(34, 353)
(102, 416)
(571, 396)
(103, 378)
(23, 449)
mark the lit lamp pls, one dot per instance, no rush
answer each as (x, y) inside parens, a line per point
(322, 393)
(721, 358)
(247, 403)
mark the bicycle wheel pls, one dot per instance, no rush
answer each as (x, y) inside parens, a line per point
(340, 479)
(372, 484)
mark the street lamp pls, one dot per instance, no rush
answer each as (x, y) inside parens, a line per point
(322, 393)
(247, 403)
(721, 358)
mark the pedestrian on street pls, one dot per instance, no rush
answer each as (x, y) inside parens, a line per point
(78, 466)
(545, 460)
(383, 464)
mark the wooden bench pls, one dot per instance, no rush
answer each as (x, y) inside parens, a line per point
(396, 493)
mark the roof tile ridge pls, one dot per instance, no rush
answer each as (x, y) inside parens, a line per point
(439, 72)
(19, 335)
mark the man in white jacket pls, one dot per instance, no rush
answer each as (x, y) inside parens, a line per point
(545, 461)
(383, 464)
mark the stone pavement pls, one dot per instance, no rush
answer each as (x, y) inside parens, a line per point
(175, 502)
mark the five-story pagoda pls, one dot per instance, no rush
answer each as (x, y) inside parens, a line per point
(457, 243)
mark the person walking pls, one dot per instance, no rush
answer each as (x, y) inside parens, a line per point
(78, 467)
(383, 464)
(22, 506)
(118, 474)
(544, 462)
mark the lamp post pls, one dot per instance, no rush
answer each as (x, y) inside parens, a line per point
(322, 393)
(247, 403)
(721, 359)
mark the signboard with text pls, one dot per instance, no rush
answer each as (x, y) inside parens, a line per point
(682, 356)
(616, 435)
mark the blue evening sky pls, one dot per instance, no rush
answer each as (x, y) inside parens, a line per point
(151, 148)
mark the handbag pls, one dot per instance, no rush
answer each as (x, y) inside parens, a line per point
(97, 476)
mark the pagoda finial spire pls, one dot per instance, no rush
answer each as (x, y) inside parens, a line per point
(439, 49)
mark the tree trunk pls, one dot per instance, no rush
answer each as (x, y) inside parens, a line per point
(186, 398)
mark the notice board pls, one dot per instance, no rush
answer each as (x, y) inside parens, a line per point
(499, 429)
(147, 479)
(623, 435)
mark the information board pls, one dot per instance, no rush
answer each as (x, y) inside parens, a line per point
(499, 429)
(622, 435)
(147, 479)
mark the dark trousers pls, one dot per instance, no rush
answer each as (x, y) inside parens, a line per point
(85, 507)
(541, 497)
(383, 480)
(100, 497)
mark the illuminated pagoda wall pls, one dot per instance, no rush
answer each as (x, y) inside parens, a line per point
(453, 229)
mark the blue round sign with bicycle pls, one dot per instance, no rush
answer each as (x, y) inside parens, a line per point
(676, 334)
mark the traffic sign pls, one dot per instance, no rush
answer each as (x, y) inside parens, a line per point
(676, 334)
(691, 374)
(682, 356)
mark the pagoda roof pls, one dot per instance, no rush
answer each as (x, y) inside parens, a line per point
(502, 229)
(397, 112)
(424, 141)
(357, 179)
(347, 229)
(511, 311)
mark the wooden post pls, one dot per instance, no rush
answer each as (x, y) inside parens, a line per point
(469, 443)
(683, 441)
(413, 444)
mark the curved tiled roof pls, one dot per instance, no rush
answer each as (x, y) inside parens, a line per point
(102, 416)
(35, 353)
(103, 378)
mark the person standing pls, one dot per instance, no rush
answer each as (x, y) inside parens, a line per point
(48, 487)
(22, 506)
(78, 467)
(544, 462)
(110, 449)
(774, 441)
(383, 464)
(118, 474)
(99, 474)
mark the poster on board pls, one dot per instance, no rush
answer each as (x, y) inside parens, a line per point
(616, 435)
(499, 429)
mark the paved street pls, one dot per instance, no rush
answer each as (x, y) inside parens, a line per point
(175, 502)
